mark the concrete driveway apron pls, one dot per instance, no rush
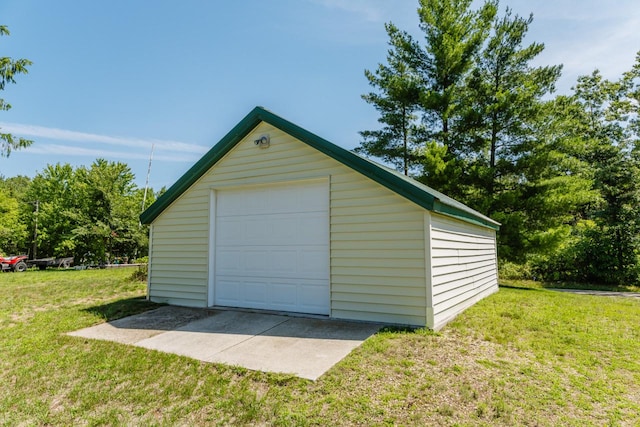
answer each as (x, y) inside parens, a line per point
(305, 347)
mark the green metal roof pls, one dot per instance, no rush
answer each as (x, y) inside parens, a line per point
(406, 187)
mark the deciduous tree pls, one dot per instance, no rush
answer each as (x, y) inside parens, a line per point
(9, 68)
(90, 213)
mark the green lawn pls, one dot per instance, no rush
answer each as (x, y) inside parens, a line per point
(524, 356)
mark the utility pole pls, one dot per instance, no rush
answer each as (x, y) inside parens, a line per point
(35, 230)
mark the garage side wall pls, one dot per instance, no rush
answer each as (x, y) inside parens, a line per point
(377, 251)
(463, 266)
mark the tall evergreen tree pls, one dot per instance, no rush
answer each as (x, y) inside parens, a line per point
(552, 192)
(426, 82)
(511, 156)
(397, 101)
(505, 95)
(453, 37)
(454, 34)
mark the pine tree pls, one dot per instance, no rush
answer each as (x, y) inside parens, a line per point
(397, 102)
(505, 95)
(511, 156)
(454, 34)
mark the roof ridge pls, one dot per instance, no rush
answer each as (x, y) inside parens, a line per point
(405, 186)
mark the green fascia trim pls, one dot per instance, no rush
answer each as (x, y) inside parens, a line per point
(462, 215)
(384, 177)
(202, 166)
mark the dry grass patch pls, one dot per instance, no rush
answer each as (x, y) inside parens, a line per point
(421, 378)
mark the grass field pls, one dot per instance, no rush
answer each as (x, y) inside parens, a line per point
(524, 356)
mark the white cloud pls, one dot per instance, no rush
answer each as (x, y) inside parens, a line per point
(71, 150)
(360, 22)
(368, 9)
(611, 48)
(583, 35)
(575, 10)
(32, 131)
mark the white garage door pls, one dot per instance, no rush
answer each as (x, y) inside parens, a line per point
(272, 247)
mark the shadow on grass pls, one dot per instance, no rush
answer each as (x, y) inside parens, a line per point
(399, 329)
(122, 308)
(528, 285)
(590, 287)
(520, 288)
(51, 270)
(405, 330)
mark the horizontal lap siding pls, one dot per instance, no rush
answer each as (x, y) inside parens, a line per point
(463, 266)
(377, 249)
(178, 268)
(377, 253)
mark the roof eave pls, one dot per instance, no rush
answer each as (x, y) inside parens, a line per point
(202, 166)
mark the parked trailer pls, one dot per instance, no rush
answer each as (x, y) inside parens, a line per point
(43, 263)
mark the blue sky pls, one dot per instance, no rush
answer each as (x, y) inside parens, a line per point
(109, 79)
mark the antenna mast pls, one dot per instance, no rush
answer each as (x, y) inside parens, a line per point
(146, 184)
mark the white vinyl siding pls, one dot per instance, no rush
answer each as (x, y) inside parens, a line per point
(463, 266)
(377, 258)
(179, 268)
(377, 252)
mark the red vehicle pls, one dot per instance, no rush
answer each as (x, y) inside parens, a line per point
(14, 263)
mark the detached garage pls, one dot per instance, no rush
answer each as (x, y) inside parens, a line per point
(274, 217)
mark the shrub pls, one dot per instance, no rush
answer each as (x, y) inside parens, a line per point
(512, 271)
(590, 258)
(142, 270)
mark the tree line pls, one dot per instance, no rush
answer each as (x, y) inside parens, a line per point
(90, 213)
(464, 110)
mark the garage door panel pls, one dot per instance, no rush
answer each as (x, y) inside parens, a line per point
(255, 292)
(312, 226)
(307, 296)
(283, 229)
(312, 263)
(284, 295)
(276, 262)
(227, 230)
(272, 247)
(280, 262)
(274, 200)
(255, 262)
(313, 297)
(227, 291)
(252, 231)
(229, 262)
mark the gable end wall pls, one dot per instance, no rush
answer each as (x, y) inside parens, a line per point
(377, 237)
